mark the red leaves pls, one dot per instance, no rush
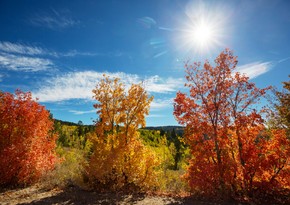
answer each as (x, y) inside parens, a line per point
(230, 148)
(27, 147)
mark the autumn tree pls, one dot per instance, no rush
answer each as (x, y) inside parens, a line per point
(281, 117)
(26, 141)
(119, 158)
(232, 151)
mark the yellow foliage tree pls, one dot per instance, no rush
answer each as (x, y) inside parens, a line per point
(119, 158)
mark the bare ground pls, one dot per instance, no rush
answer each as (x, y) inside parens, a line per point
(74, 195)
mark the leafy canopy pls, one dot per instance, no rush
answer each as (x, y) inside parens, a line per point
(233, 152)
(119, 158)
(26, 141)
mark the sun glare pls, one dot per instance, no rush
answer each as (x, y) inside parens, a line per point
(203, 34)
(204, 29)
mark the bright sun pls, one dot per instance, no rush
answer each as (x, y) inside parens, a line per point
(203, 34)
(204, 30)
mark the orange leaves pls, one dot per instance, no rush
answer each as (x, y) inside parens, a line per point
(119, 158)
(116, 107)
(27, 145)
(136, 106)
(230, 146)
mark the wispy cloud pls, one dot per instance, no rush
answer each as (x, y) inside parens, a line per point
(29, 50)
(25, 49)
(23, 57)
(157, 84)
(159, 104)
(78, 112)
(18, 48)
(155, 116)
(73, 53)
(54, 19)
(146, 22)
(79, 85)
(284, 59)
(255, 69)
(21, 63)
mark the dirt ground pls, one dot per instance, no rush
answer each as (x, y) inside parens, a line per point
(74, 195)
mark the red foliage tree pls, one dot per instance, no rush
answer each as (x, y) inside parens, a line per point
(233, 152)
(26, 141)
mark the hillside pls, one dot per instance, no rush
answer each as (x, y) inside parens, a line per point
(178, 129)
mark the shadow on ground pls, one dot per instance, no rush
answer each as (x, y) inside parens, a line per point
(76, 196)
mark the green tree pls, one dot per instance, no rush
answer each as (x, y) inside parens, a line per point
(283, 107)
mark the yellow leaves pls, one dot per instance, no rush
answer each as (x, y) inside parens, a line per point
(118, 155)
(117, 107)
(124, 164)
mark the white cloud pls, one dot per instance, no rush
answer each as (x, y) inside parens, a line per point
(28, 50)
(23, 57)
(18, 48)
(54, 19)
(76, 85)
(253, 70)
(78, 112)
(157, 84)
(73, 53)
(155, 116)
(79, 85)
(21, 63)
(159, 104)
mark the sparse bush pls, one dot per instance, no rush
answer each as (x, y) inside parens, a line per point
(171, 181)
(71, 170)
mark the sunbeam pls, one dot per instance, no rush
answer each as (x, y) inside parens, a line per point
(203, 30)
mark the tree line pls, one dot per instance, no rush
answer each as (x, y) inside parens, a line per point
(227, 147)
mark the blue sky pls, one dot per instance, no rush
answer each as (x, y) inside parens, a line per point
(59, 50)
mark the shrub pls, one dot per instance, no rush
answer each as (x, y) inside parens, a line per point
(26, 141)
